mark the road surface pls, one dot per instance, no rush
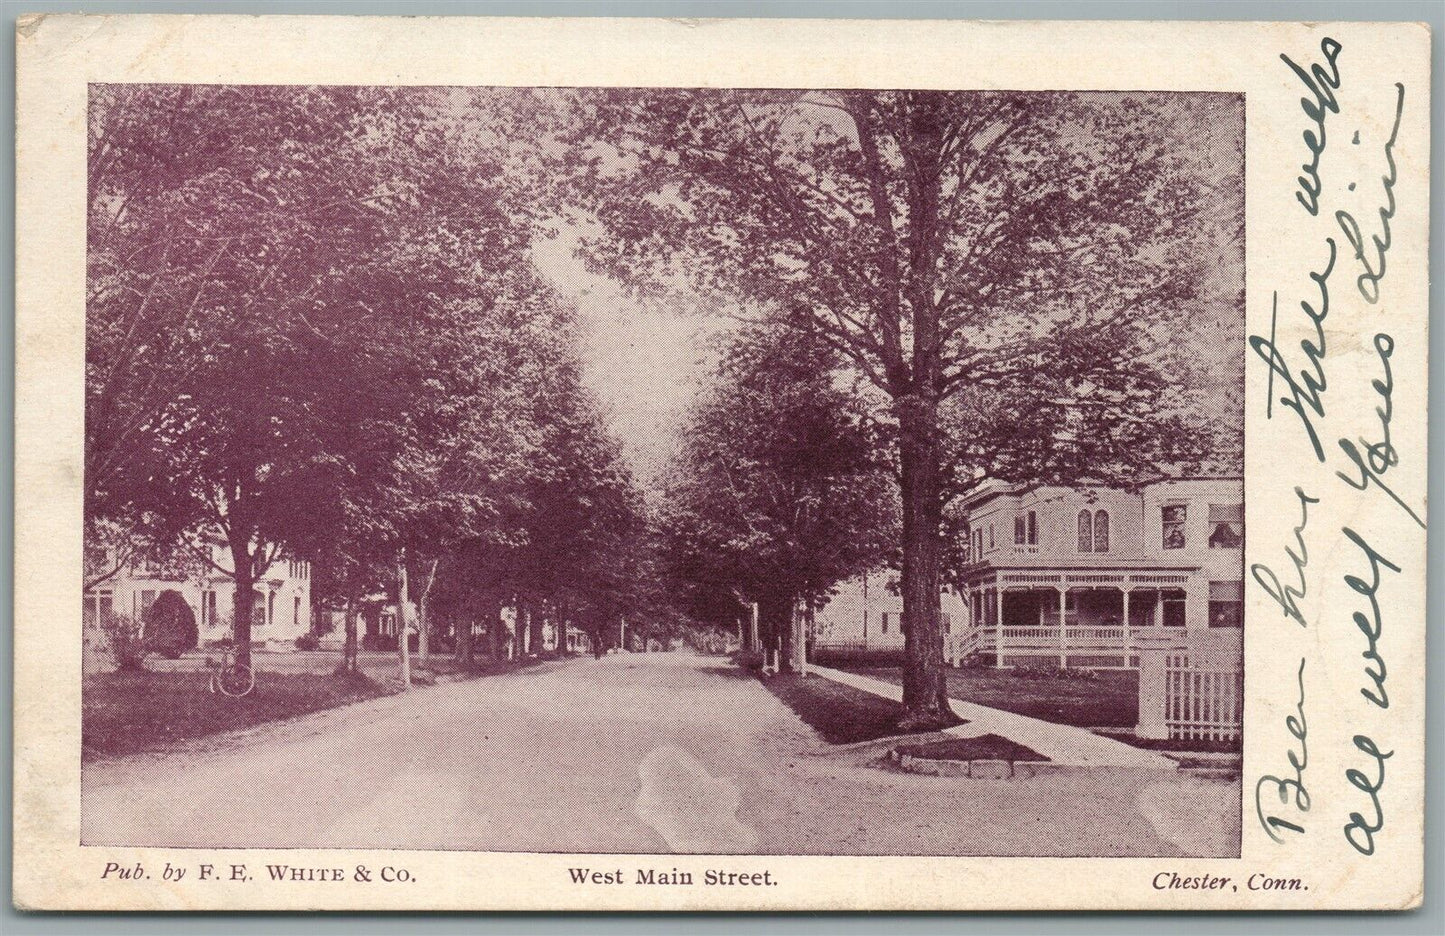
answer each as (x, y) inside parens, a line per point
(633, 753)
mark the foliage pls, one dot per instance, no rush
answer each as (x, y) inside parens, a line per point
(170, 625)
(126, 637)
(284, 289)
(778, 493)
(941, 242)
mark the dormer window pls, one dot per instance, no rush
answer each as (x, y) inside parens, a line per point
(1086, 531)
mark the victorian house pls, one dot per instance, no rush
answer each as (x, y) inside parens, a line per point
(1083, 574)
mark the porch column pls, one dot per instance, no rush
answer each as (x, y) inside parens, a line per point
(1128, 635)
(998, 627)
(1063, 641)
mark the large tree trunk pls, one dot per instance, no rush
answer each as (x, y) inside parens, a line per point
(925, 692)
(244, 580)
(348, 652)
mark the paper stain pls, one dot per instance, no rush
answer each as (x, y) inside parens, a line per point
(691, 809)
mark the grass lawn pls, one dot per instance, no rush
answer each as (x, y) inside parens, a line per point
(841, 714)
(1110, 700)
(982, 747)
(123, 713)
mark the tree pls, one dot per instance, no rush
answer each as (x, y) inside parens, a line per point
(323, 257)
(938, 241)
(779, 492)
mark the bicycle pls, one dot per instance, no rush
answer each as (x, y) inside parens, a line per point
(229, 677)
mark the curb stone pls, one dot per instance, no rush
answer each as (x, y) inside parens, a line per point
(979, 769)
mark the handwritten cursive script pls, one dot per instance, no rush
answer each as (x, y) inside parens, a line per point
(1287, 596)
(1289, 791)
(1322, 83)
(1360, 831)
(1368, 282)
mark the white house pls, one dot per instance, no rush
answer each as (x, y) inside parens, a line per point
(1083, 574)
(280, 610)
(866, 613)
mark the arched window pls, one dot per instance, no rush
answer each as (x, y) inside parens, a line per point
(1101, 531)
(1086, 532)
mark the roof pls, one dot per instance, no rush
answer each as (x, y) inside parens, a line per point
(1121, 563)
(995, 487)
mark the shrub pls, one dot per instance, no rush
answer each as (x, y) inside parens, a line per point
(308, 642)
(127, 642)
(170, 625)
(378, 642)
(1053, 671)
(831, 656)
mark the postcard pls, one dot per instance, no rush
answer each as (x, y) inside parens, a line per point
(601, 464)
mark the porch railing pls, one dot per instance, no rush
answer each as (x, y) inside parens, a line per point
(1043, 641)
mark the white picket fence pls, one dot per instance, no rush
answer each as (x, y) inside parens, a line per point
(1202, 700)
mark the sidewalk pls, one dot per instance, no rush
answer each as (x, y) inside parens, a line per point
(1063, 744)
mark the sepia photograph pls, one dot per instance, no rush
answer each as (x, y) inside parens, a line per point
(586, 464)
(837, 472)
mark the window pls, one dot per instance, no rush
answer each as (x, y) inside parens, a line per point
(98, 608)
(991, 542)
(1226, 526)
(296, 611)
(1086, 531)
(1101, 531)
(1171, 602)
(1026, 529)
(885, 622)
(1173, 525)
(209, 617)
(945, 622)
(147, 597)
(1226, 604)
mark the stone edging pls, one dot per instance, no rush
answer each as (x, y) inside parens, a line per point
(979, 769)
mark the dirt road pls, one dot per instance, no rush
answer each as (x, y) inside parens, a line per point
(631, 753)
